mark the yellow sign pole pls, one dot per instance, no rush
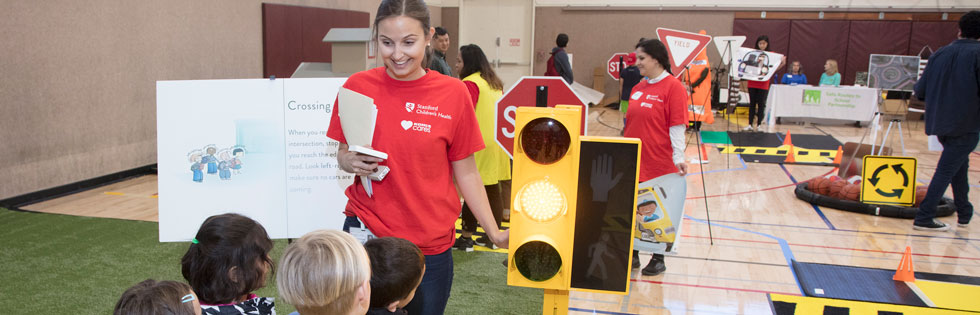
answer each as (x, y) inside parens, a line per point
(555, 302)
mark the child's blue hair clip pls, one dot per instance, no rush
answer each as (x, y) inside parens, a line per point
(195, 241)
(187, 298)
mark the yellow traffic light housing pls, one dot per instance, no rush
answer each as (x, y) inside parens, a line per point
(545, 183)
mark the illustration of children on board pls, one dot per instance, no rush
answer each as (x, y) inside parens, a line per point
(236, 161)
(224, 164)
(209, 159)
(196, 167)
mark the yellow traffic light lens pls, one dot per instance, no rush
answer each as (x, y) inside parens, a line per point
(545, 140)
(537, 261)
(541, 201)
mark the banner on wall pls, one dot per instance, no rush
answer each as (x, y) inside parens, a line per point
(253, 147)
(755, 65)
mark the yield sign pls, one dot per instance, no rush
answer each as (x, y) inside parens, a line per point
(727, 47)
(888, 180)
(682, 47)
(523, 93)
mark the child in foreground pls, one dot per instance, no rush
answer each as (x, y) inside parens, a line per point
(325, 272)
(228, 260)
(152, 297)
(397, 267)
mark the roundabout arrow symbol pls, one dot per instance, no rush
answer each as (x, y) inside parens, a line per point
(898, 169)
(874, 176)
(895, 192)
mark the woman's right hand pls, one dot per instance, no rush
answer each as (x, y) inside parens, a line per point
(356, 163)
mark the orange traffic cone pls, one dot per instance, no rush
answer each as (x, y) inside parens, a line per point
(840, 154)
(789, 139)
(790, 157)
(904, 272)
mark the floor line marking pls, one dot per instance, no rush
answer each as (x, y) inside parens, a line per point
(849, 230)
(813, 252)
(815, 208)
(729, 279)
(754, 190)
(594, 311)
(834, 247)
(728, 260)
(744, 167)
(783, 245)
(712, 287)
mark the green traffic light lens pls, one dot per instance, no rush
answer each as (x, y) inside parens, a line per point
(537, 261)
(545, 140)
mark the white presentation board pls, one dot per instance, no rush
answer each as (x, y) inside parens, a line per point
(255, 147)
(755, 65)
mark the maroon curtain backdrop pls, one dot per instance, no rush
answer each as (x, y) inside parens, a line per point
(874, 37)
(777, 30)
(932, 34)
(294, 34)
(812, 42)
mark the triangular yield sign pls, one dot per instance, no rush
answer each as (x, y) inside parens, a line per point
(730, 42)
(682, 47)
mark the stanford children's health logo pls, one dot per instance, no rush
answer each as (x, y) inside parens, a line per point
(409, 106)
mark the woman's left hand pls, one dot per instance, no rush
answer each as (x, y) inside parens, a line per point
(501, 238)
(682, 167)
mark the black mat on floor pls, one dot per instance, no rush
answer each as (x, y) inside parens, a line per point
(864, 284)
(772, 140)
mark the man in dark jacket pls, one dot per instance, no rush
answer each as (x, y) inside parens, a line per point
(950, 87)
(562, 64)
(440, 45)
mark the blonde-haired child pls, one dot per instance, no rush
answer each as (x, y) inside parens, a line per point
(325, 272)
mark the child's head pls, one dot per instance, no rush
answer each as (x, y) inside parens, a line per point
(397, 267)
(325, 272)
(228, 259)
(151, 297)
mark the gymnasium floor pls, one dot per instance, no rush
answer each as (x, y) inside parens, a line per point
(758, 226)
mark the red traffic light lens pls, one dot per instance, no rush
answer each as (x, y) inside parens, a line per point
(545, 140)
(537, 261)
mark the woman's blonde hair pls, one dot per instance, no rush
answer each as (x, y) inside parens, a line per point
(833, 66)
(322, 272)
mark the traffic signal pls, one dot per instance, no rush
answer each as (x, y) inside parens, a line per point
(545, 183)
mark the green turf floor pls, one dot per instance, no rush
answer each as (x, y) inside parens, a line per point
(59, 264)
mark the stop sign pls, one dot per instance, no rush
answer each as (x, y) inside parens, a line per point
(612, 66)
(523, 93)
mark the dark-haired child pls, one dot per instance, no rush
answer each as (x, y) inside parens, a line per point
(397, 267)
(227, 260)
(152, 297)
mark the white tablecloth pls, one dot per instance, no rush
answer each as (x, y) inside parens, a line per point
(845, 103)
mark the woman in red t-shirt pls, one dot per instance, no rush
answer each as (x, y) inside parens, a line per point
(657, 114)
(426, 125)
(758, 92)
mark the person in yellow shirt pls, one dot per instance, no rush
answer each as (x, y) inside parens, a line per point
(493, 163)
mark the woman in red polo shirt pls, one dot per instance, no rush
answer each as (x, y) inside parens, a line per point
(657, 114)
(427, 126)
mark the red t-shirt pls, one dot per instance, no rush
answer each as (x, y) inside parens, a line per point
(764, 85)
(653, 108)
(423, 125)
